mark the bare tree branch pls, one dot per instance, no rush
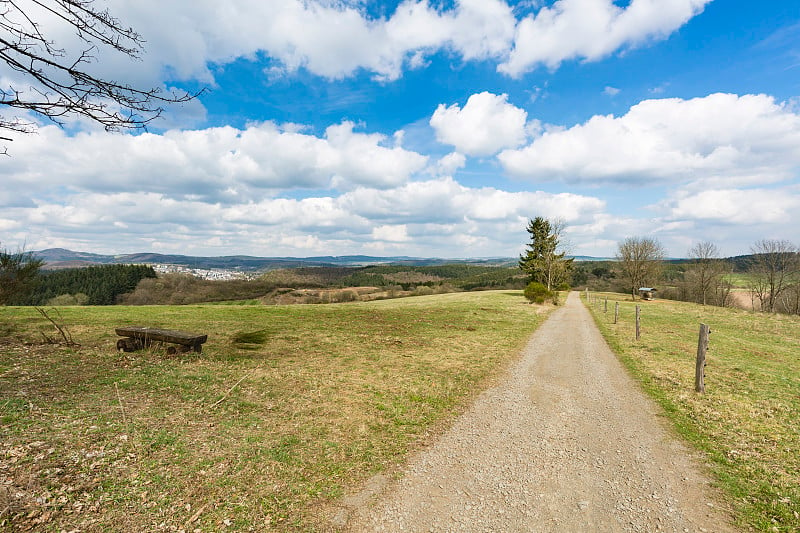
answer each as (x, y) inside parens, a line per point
(60, 86)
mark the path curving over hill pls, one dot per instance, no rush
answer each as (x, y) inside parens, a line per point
(566, 442)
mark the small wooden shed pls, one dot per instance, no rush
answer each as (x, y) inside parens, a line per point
(646, 293)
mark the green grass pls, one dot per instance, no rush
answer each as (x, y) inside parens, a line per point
(287, 408)
(740, 280)
(748, 421)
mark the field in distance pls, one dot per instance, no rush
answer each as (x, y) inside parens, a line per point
(286, 409)
(747, 421)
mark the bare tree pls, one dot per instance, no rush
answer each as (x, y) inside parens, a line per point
(640, 260)
(704, 274)
(57, 82)
(773, 268)
(789, 301)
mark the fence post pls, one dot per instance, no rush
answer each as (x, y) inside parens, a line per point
(616, 312)
(605, 306)
(700, 365)
(638, 328)
(587, 295)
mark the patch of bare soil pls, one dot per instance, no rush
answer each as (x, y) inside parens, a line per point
(743, 300)
(566, 443)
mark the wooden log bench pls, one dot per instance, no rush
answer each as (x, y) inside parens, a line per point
(139, 338)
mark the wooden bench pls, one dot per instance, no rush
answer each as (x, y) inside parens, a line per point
(139, 338)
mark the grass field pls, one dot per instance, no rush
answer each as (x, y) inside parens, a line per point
(748, 421)
(740, 280)
(287, 408)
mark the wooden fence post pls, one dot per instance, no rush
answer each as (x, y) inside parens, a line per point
(605, 307)
(616, 312)
(700, 365)
(638, 328)
(587, 295)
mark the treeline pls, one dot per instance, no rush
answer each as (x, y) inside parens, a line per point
(22, 282)
(183, 289)
(179, 289)
(457, 276)
(94, 285)
(767, 280)
(682, 279)
(770, 277)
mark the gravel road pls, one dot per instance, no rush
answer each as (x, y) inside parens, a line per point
(567, 442)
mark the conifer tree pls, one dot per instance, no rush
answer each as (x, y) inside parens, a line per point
(543, 260)
(18, 272)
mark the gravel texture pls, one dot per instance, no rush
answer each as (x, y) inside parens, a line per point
(566, 442)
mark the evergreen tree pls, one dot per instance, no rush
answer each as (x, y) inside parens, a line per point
(98, 285)
(18, 273)
(543, 261)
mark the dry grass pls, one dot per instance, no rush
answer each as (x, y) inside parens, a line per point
(286, 409)
(747, 422)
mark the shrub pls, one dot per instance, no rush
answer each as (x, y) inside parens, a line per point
(69, 299)
(423, 290)
(347, 296)
(537, 293)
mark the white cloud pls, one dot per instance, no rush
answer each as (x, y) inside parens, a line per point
(719, 139)
(776, 207)
(398, 233)
(191, 41)
(424, 218)
(611, 91)
(445, 201)
(337, 39)
(364, 160)
(8, 225)
(732, 218)
(482, 28)
(450, 163)
(438, 217)
(330, 39)
(486, 124)
(218, 164)
(592, 29)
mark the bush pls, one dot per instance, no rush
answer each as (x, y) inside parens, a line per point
(19, 272)
(339, 296)
(69, 299)
(537, 293)
(556, 298)
(423, 290)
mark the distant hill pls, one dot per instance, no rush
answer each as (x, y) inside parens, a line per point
(588, 258)
(59, 258)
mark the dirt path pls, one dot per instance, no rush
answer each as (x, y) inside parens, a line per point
(566, 442)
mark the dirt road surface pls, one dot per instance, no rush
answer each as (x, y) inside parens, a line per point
(566, 442)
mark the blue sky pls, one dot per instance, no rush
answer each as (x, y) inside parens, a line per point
(428, 128)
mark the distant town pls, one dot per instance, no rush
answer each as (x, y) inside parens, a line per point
(214, 274)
